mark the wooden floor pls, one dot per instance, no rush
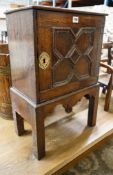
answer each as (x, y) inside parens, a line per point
(67, 137)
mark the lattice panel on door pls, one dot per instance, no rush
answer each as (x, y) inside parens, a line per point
(72, 54)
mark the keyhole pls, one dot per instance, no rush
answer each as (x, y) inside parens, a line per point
(44, 60)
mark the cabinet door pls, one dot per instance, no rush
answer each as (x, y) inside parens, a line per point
(73, 54)
(73, 45)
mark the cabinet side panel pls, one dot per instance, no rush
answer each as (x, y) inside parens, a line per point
(22, 56)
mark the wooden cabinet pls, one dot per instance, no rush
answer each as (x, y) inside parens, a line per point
(54, 60)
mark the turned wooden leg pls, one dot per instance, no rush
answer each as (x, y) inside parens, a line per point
(92, 112)
(19, 123)
(38, 134)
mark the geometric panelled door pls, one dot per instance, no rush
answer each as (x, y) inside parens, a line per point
(77, 51)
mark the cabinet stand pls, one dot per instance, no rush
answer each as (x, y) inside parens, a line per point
(23, 108)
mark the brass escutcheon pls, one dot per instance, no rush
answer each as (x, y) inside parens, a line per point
(44, 60)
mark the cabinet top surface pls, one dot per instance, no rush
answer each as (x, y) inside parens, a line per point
(45, 8)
